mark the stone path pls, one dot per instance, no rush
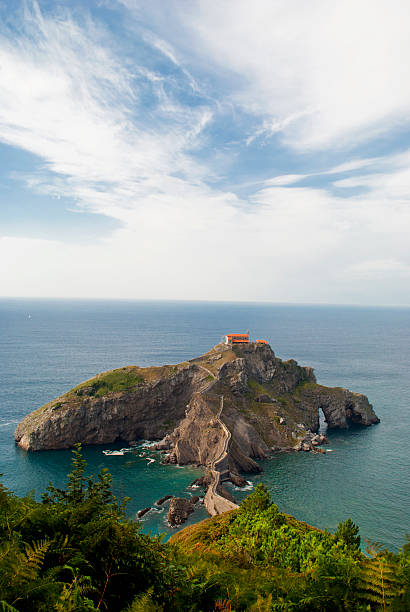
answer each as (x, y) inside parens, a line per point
(215, 503)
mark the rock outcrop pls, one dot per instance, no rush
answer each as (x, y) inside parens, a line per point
(163, 499)
(179, 510)
(342, 407)
(96, 412)
(142, 512)
(268, 404)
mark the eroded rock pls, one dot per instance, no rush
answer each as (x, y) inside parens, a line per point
(141, 513)
(237, 480)
(179, 510)
(163, 499)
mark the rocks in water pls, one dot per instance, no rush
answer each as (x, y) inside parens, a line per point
(319, 439)
(203, 481)
(162, 500)
(224, 493)
(311, 441)
(194, 499)
(141, 513)
(164, 444)
(172, 458)
(179, 510)
(279, 449)
(342, 407)
(237, 480)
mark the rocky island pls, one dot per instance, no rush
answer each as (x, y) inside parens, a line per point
(222, 410)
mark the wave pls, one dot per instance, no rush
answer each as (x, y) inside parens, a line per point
(145, 444)
(248, 487)
(8, 423)
(120, 452)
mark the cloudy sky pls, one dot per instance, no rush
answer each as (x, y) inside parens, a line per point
(191, 149)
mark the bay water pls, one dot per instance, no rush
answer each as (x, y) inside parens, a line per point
(48, 346)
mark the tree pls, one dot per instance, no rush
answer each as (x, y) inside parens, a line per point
(348, 533)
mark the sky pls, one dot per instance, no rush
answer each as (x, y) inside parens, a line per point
(197, 150)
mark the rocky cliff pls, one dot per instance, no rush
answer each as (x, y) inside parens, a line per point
(268, 404)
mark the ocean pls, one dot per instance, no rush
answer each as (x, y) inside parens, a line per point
(48, 346)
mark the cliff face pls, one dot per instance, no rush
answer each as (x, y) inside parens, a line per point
(153, 404)
(267, 404)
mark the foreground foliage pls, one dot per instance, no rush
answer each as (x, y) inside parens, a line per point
(76, 552)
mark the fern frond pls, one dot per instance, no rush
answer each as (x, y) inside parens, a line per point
(144, 603)
(24, 568)
(71, 597)
(36, 552)
(5, 607)
(378, 583)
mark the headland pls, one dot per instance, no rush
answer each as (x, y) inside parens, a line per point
(222, 410)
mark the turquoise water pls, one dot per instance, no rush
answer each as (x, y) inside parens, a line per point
(48, 346)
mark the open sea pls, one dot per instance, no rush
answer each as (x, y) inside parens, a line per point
(48, 346)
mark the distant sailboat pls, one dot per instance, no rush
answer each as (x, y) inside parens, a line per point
(29, 316)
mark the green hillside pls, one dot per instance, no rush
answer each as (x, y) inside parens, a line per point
(76, 551)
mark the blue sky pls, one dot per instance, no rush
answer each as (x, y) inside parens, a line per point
(198, 150)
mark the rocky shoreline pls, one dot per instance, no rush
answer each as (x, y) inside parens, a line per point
(179, 508)
(221, 411)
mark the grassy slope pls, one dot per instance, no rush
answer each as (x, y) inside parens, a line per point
(207, 532)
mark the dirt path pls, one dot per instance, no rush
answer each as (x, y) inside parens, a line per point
(215, 503)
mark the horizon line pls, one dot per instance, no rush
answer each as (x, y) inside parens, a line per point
(204, 301)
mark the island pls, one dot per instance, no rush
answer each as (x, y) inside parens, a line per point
(222, 410)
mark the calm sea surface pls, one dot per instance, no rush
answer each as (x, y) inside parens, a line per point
(48, 346)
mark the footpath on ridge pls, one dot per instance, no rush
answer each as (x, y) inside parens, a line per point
(214, 502)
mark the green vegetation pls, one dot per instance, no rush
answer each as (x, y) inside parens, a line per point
(76, 552)
(256, 387)
(121, 379)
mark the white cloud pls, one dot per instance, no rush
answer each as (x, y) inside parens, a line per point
(66, 97)
(285, 179)
(288, 244)
(379, 269)
(323, 73)
(354, 164)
